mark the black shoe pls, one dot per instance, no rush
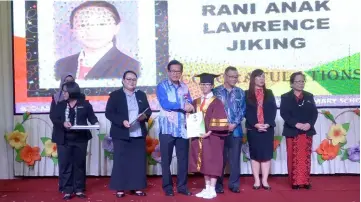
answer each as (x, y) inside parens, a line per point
(169, 193)
(67, 197)
(220, 191)
(80, 195)
(235, 190)
(120, 194)
(307, 186)
(138, 193)
(296, 187)
(185, 192)
(266, 187)
(256, 187)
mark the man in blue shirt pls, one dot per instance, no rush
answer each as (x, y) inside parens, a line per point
(234, 102)
(175, 101)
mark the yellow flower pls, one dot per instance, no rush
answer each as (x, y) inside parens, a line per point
(17, 139)
(337, 134)
(51, 149)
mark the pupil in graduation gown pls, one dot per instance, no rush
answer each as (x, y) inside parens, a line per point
(207, 151)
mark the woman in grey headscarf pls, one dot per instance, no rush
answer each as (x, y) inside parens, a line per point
(56, 98)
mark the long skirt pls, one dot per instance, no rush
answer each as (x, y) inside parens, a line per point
(129, 165)
(299, 159)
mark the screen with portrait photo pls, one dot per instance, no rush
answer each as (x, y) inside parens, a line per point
(94, 41)
(319, 38)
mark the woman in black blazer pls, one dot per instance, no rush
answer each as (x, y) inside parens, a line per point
(72, 144)
(56, 98)
(260, 122)
(298, 110)
(128, 132)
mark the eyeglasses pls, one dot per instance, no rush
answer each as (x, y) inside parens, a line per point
(299, 82)
(175, 72)
(129, 79)
(232, 77)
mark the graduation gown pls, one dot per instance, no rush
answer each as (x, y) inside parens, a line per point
(206, 154)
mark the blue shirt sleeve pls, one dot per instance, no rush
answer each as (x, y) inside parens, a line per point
(163, 100)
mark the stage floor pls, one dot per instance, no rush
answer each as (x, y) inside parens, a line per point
(325, 188)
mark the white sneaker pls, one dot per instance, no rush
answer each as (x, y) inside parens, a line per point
(210, 194)
(202, 193)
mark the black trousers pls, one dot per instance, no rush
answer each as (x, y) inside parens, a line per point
(72, 166)
(167, 143)
(232, 154)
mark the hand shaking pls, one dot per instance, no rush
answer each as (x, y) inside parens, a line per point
(188, 108)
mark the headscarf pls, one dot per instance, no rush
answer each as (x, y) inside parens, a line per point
(58, 96)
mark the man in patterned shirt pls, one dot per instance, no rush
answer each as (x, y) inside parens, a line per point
(175, 101)
(234, 102)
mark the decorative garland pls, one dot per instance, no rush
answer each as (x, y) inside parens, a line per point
(329, 148)
(152, 146)
(333, 146)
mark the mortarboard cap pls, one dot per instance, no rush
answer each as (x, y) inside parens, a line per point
(207, 78)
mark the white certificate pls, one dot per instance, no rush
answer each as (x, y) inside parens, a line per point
(195, 125)
(86, 127)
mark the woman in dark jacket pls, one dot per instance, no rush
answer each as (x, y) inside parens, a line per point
(128, 110)
(56, 98)
(72, 144)
(298, 110)
(260, 122)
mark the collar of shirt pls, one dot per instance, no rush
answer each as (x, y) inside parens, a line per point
(175, 85)
(209, 95)
(129, 93)
(91, 61)
(225, 89)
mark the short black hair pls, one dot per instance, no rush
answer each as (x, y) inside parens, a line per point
(230, 68)
(129, 72)
(293, 76)
(174, 62)
(102, 4)
(73, 89)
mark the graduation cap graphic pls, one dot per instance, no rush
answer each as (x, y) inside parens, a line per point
(207, 78)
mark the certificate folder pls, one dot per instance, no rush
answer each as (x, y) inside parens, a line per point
(195, 125)
(88, 127)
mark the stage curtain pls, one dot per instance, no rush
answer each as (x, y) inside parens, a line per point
(6, 90)
(99, 165)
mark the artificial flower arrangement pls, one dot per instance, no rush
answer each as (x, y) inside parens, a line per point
(333, 146)
(17, 140)
(152, 146)
(26, 153)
